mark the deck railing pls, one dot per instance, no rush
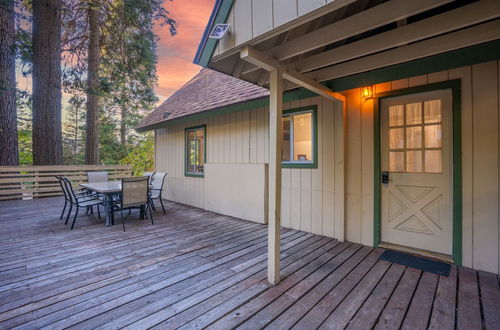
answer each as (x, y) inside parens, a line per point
(27, 182)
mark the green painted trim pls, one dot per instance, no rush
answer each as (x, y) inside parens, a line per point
(377, 173)
(484, 52)
(207, 45)
(314, 110)
(186, 153)
(455, 86)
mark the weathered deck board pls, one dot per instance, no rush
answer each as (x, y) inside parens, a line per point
(393, 314)
(197, 269)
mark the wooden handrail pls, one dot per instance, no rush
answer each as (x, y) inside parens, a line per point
(28, 182)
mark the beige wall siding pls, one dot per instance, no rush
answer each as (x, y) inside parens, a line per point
(311, 201)
(246, 25)
(169, 157)
(480, 161)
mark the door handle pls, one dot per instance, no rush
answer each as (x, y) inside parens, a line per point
(385, 177)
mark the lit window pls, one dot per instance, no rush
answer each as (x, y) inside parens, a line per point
(299, 126)
(195, 151)
(415, 138)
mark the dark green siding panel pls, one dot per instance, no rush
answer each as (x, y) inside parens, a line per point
(485, 52)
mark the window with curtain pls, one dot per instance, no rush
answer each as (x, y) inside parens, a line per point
(299, 126)
(195, 151)
(415, 141)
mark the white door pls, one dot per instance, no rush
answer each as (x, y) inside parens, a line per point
(416, 146)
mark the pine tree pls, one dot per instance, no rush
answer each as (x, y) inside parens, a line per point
(8, 116)
(73, 130)
(47, 135)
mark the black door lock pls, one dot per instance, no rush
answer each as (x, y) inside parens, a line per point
(385, 177)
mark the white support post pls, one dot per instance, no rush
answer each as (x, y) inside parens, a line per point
(275, 143)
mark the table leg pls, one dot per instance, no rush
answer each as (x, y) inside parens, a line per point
(107, 210)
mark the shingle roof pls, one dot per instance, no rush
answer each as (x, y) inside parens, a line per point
(206, 91)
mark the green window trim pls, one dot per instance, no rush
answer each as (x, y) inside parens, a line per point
(186, 150)
(455, 86)
(297, 164)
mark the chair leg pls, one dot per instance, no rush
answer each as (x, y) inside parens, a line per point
(150, 214)
(98, 212)
(69, 213)
(153, 204)
(74, 219)
(163, 207)
(123, 221)
(64, 209)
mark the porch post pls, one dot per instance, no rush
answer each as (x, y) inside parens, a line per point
(275, 143)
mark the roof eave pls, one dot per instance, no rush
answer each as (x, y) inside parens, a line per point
(207, 46)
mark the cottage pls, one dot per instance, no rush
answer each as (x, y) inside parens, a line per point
(369, 121)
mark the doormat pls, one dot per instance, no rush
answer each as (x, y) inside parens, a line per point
(424, 264)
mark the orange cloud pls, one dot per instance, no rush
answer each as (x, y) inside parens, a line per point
(175, 54)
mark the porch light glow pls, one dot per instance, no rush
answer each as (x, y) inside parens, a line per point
(367, 92)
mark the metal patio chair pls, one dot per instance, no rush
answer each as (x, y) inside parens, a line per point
(157, 189)
(150, 175)
(79, 202)
(67, 199)
(134, 195)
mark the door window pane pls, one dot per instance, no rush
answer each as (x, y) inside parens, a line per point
(433, 138)
(396, 138)
(396, 161)
(396, 115)
(414, 137)
(413, 113)
(414, 161)
(432, 111)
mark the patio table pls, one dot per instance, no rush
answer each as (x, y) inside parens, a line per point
(107, 189)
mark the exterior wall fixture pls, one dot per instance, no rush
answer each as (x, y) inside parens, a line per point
(367, 92)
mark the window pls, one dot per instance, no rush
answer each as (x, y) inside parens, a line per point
(415, 141)
(195, 151)
(299, 138)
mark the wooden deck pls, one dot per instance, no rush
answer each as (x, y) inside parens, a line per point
(196, 269)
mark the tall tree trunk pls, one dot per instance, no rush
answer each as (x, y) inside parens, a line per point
(75, 141)
(123, 126)
(47, 134)
(92, 142)
(9, 153)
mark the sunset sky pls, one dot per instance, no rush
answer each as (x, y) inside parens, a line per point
(175, 54)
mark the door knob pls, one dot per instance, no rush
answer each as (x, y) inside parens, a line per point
(385, 177)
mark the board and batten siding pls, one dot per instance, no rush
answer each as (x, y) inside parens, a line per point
(307, 194)
(312, 199)
(245, 25)
(480, 161)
